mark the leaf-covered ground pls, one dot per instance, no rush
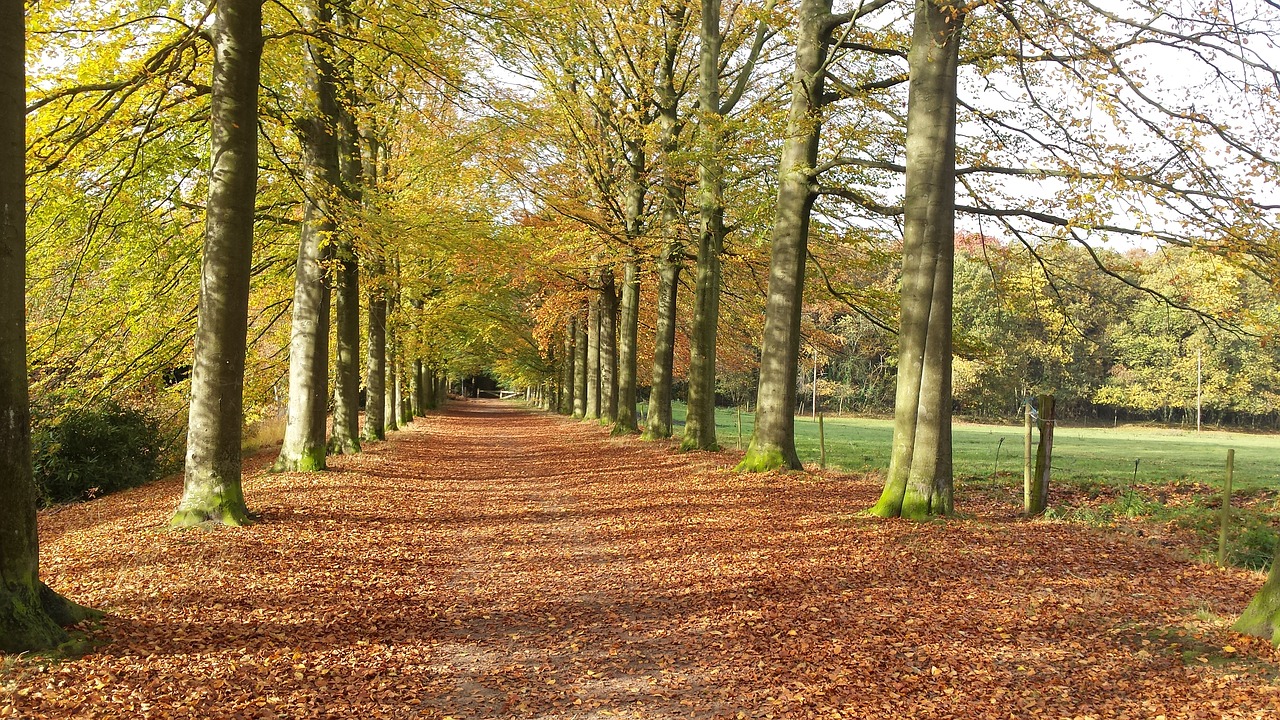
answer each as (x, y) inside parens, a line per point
(494, 563)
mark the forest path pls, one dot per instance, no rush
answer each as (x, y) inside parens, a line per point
(492, 562)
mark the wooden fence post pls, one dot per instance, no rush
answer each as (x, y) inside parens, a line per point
(822, 445)
(1226, 510)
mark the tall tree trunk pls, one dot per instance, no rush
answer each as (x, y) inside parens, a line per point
(345, 438)
(442, 389)
(375, 410)
(624, 401)
(419, 389)
(304, 439)
(608, 347)
(918, 483)
(627, 423)
(567, 394)
(212, 478)
(30, 613)
(700, 423)
(581, 355)
(659, 423)
(593, 359)
(773, 443)
(389, 386)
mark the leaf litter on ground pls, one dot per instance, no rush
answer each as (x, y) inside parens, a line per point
(493, 562)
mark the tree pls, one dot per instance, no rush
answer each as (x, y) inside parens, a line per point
(212, 480)
(304, 446)
(30, 613)
(700, 422)
(919, 483)
(1262, 616)
(346, 391)
(773, 442)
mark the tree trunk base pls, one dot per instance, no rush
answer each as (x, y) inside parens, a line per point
(224, 513)
(694, 442)
(622, 428)
(344, 445)
(1262, 617)
(311, 460)
(763, 458)
(656, 431)
(32, 618)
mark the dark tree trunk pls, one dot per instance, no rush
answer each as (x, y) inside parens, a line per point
(593, 359)
(345, 438)
(389, 400)
(700, 423)
(581, 352)
(608, 348)
(627, 423)
(211, 484)
(419, 389)
(304, 438)
(375, 411)
(30, 613)
(659, 422)
(773, 443)
(918, 483)
(567, 394)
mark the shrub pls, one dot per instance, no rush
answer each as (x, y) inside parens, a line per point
(89, 451)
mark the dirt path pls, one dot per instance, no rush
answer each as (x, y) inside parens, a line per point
(496, 563)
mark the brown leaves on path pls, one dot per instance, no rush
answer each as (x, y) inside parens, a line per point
(496, 563)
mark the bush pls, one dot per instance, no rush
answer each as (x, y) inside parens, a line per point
(85, 452)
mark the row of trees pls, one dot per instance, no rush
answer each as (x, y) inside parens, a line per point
(1108, 351)
(570, 196)
(1065, 140)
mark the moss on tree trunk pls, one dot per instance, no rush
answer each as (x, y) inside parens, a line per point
(1262, 616)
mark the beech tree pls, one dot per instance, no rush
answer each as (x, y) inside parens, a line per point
(700, 421)
(212, 479)
(773, 442)
(918, 483)
(30, 613)
(345, 437)
(304, 446)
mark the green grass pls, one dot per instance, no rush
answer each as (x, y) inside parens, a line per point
(1080, 455)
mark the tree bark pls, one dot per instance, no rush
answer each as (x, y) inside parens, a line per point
(1039, 498)
(581, 353)
(700, 422)
(567, 394)
(389, 400)
(304, 439)
(627, 423)
(30, 613)
(375, 407)
(1262, 616)
(212, 479)
(773, 443)
(659, 423)
(345, 438)
(919, 481)
(592, 409)
(608, 347)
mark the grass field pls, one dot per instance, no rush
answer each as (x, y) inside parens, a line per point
(1081, 455)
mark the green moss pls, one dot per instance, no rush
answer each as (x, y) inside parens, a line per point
(761, 459)
(620, 429)
(656, 432)
(689, 443)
